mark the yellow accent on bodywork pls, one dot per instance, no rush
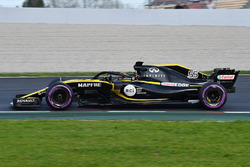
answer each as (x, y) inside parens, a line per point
(82, 80)
(31, 94)
(126, 80)
(117, 92)
(195, 85)
(149, 82)
(166, 65)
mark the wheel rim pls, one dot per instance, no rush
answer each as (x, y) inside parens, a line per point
(60, 96)
(214, 96)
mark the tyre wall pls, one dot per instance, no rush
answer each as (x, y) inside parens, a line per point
(235, 17)
(77, 44)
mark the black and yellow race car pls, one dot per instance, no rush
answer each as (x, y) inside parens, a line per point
(150, 84)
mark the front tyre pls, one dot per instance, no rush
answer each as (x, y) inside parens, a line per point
(59, 96)
(212, 95)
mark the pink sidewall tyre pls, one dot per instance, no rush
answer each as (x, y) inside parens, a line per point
(212, 96)
(59, 96)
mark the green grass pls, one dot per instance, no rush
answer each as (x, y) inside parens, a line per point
(47, 74)
(244, 72)
(210, 72)
(70, 143)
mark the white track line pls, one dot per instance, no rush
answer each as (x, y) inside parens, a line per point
(237, 112)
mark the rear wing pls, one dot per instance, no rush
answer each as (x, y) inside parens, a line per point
(226, 77)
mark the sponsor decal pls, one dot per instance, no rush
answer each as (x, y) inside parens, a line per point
(225, 77)
(225, 81)
(139, 91)
(153, 70)
(129, 90)
(89, 85)
(192, 74)
(174, 84)
(40, 93)
(154, 75)
(25, 100)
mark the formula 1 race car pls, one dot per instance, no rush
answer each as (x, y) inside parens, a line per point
(151, 84)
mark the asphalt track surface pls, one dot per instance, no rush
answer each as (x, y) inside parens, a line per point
(236, 108)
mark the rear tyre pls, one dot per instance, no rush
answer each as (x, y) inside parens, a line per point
(212, 95)
(59, 96)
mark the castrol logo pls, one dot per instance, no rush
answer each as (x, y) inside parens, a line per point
(225, 77)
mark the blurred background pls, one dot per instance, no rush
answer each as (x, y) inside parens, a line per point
(125, 4)
(97, 35)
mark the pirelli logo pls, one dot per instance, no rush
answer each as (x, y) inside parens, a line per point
(89, 85)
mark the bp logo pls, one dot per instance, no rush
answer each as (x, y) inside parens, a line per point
(129, 90)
